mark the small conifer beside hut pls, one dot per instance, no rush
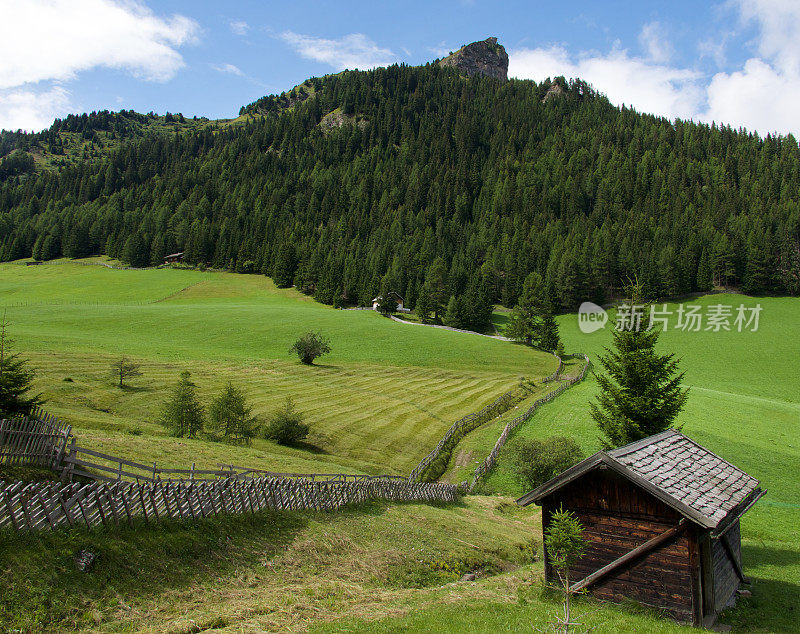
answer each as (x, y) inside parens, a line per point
(661, 518)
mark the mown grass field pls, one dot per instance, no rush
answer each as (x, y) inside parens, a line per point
(375, 567)
(372, 567)
(377, 403)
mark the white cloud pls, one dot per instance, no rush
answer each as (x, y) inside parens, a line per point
(239, 27)
(654, 41)
(48, 41)
(55, 39)
(779, 30)
(227, 68)
(441, 49)
(32, 110)
(634, 81)
(763, 95)
(758, 97)
(349, 52)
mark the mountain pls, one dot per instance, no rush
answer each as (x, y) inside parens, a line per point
(486, 58)
(430, 182)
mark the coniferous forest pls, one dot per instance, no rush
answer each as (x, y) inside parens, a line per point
(445, 189)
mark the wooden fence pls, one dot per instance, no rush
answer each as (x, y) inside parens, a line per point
(471, 421)
(487, 465)
(38, 439)
(88, 463)
(51, 505)
(124, 490)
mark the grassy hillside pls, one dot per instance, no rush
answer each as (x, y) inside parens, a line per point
(294, 571)
(744, 404)
(378, 402)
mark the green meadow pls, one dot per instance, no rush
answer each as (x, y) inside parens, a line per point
(377, 403)
(744, 404)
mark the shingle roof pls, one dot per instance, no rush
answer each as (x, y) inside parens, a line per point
(689, 473)
(696, 482)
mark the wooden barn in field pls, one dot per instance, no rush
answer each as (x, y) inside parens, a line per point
(661, 517)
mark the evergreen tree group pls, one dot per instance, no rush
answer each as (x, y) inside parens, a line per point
(448, 190)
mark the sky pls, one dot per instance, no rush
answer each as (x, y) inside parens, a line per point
(734, 62)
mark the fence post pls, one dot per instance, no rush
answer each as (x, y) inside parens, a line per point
(60, 455)
(66, 473)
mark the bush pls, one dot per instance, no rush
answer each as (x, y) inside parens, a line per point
(310, 346)
(286, 426)
(537, 461)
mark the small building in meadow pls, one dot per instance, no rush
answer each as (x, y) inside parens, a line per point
(400, 309)
(173, 258)
(661, 518)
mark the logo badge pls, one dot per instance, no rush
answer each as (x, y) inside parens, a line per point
(591, 318)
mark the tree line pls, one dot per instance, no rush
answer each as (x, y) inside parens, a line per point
(450, 191)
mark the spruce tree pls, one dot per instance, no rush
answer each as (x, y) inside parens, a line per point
(16, 378)
(231, 418)
(183, 415)
(548, 337)
(525, 319)
(424, 305)
(640, 394)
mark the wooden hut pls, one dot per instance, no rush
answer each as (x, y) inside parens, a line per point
(172, 258)
(395, 296)
(661, 517)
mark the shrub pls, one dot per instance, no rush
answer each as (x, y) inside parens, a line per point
(537, 461)
(286, 425)
(310, 346)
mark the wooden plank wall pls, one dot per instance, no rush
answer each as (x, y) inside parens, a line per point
(726, 581)
(617, 517)
(49, 505)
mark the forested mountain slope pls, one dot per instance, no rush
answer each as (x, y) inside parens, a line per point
(405, 177)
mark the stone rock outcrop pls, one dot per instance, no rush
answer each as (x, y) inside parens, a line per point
(480, 58)
(338, 119)
(556, 90)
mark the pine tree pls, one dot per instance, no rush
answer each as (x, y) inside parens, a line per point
(16, 378)
(525, 320)
(547, 332)
(452, 316)
(183, 414)
(436, 288)
(424, 305)
(231, 418)
(285, 266)
(641, 393)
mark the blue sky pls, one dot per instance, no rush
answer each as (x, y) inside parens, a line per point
(736, 61)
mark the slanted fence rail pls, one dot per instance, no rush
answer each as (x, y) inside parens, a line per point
(35, 440)
(487, 465)
(125, 490)
(51, 505)
(472, 421)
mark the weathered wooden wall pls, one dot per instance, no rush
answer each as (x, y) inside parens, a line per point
(617, 517)
(726, 579)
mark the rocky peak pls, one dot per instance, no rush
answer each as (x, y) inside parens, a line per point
(480, 58)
